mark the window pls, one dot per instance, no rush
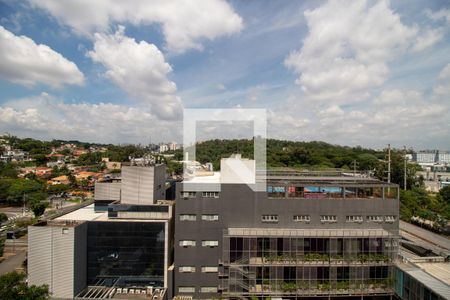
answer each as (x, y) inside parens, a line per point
(389, 219)
(390, 192)
(210, 217)
(208, 289)
(377, 219)
(210, 243)
(328, 219)
(276, 191)
(186, 289)
(210, 194)
(295, 191)
(187, 217)
(354, 219)
(186, 269)
(188, 194)
(210, 269)
(65, 230)
(269, 218)
(302, 218)
(187, 243)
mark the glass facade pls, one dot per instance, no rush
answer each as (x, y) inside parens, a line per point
(331, 192)
(129, 251)
(281, 266)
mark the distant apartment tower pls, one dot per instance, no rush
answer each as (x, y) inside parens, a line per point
(173, 146)
(444, 157)
(425, 157)
(163, 148)
(309, 235)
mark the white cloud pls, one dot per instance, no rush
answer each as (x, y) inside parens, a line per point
(443, 86)
(443, 14)
(346, 51)
(183, 23)
(140, 70)
(24, 62)
(445, 73)
(221, 87)
(427, 39)
(395, 116)
(46, 117)
(398, 97)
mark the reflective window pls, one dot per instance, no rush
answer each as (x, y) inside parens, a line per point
(269, 218)
(375, 218)
(302, 218)
(276, 191)
(354, 219)
(186, 269)
(210, 269)
(187, 217)
(328, 218)
(210, 217)
(186, 289)
(208, 289)
(210, 243)
(390, 192)
(210, 194)
(126, 249)
(295, 191)
(389, 219)
(188, 194)
(187, 243)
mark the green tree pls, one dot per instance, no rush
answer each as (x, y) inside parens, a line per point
(8, 170)
(13, 287)
(3, 217)
(445, 194)
(57, 188)
(25, 189)
(38, 208)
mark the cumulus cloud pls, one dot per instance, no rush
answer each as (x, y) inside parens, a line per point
(45, 116)
(24, 62)
(140, 69)
(443, 86)
(346, 51)
(427, 39)
(183, 23)
(443, 14)
(395, 116)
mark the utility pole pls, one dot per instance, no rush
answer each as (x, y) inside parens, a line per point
(354, 168)
(389, 163)
(404, 173)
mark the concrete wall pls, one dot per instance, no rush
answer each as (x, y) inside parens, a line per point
(107, 191)
(143, 185)
(57, 257)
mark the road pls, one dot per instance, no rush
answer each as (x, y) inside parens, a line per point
(426, 235)
(12, 262)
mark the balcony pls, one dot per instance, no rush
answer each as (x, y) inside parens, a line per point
(316, 259)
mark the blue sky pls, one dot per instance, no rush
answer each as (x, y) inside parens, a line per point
(346, 72)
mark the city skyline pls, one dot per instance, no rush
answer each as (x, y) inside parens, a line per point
(329, 70)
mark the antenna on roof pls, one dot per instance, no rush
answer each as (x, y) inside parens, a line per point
(389, 163)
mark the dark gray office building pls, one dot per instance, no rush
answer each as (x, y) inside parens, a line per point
(318, 235)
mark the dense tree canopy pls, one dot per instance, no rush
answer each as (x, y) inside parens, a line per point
(13, 287)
